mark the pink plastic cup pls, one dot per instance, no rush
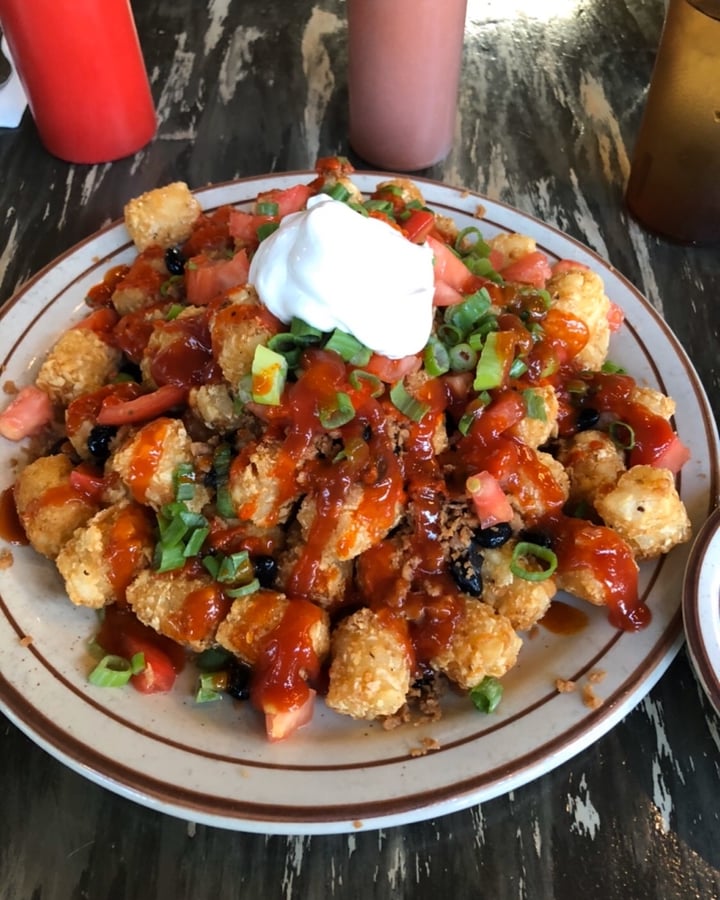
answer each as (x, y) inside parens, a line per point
(405, 58)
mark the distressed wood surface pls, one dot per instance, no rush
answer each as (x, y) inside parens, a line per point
(551, 98)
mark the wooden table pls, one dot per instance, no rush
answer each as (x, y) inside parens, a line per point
(550, 104)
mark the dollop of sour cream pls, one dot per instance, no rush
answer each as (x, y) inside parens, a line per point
(335, 268)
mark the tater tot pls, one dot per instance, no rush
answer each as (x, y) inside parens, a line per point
(78, 363)
(163, 216)
(48, 507)
(103, 556)
(580, 293)
(370, 670)
(252, 619)
(483, 643)
(523, 602)
(186, 606)
(645, 509)
(593, 463)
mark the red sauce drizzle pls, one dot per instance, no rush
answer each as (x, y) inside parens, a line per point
(201, 612)
(561, 618)
(148, 451)
(129, 535)
(188, 360)
(11, 529)
(287, 660)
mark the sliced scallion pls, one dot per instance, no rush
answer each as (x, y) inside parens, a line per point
(525, 550)
(487, 695)
(338, 413)
(407, 404)
(489, 369)
(266, 208)
(462, 358)
(623, 435)
(337, 191)
(357, 376)
(436, 358)
(111, 671)
(348, 347)
(534, 405)
(243, 590)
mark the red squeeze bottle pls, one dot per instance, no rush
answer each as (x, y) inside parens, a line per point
(82, 69)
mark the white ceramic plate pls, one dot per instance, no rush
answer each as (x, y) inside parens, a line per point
(211, 763)
(701, 608)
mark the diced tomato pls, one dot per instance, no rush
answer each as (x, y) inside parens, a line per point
(445, 295)
(419, 225)
(533, 269)
(280, 725)
(26, 415)
(244, 226)
(289, 200)
(615, 317)
(673, 457)
(88, 482)
(142, 408)
(491, 504)
(392, 370)
(101, 320)
(569, 265)
(506, 410)
(449, 268)
(496, 259)
(158, 675)
(206, 278)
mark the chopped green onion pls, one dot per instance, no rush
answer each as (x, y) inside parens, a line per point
(266, 208)
(339, 413)
(534, 405)
(518, 368)
(465, 315)
(481, 265)
(476, 245)
(611, 368)
(383, 206)
(436, 358)
(137, 663)
(407, 404)
(538, 552)
(266, 229)
(269, 371)
(348, 347)
(212, 564)
(111, 671)
(462, 358)
(359, 375)
(487, 695)
(617, 429)
(234, 567)
(357, 207)
(207, 692)
(195, 541)
(184, 481)
(449, 334)
(489, 370)
(304, 333)
(337, 191)
(243, 590)
(168, 558)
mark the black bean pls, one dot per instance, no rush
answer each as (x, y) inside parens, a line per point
(465, 569)
(539, 538)
(174, 261)
(99, 440)
(265, 570)
(587, 417)
(238, 680)
(494, 536)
